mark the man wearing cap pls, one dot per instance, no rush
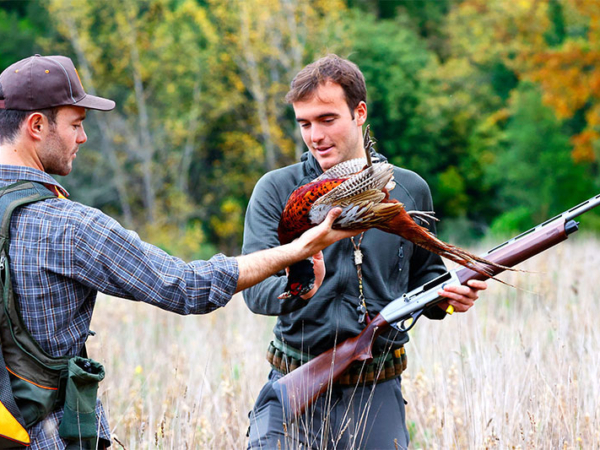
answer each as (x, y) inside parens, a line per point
(62, 252)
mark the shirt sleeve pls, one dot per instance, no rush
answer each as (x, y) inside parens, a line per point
(260, 232)
(117, 262)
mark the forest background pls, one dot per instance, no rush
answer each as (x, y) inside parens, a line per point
(495, 103)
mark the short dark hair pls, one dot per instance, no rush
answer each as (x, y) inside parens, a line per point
(12, 119)
(329, 68)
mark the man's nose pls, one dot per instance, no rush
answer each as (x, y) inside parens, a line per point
(81, 136)
(317, 134)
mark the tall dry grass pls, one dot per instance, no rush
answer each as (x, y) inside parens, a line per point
(520, 370)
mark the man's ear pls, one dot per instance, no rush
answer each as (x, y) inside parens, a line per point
(361, 114)
(36, 125)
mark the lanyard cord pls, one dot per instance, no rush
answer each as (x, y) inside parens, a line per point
(363, 313)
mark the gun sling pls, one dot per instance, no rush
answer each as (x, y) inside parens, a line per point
(383, 367)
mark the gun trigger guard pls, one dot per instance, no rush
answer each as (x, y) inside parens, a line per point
(413, 320)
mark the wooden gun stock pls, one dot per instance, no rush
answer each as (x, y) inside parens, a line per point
(300, 388)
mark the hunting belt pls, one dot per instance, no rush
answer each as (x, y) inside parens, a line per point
(384, 367)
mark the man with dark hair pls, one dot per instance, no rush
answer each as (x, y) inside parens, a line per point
(62, 253)
(365, 409)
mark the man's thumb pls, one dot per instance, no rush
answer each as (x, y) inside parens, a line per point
(332, 215)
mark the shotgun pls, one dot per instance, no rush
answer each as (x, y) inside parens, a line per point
(301, 387)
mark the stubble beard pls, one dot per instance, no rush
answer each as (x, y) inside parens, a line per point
(56, 157)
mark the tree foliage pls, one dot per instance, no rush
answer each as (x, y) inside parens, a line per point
(495, 104)
(534, 166)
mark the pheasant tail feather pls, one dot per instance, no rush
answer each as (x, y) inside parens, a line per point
(403, 225)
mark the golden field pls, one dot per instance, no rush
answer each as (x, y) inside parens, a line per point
(520, 370)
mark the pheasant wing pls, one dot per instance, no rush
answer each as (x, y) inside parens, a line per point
(360, 198)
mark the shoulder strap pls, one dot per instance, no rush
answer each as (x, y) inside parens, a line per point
(12, 197)
(18, 194)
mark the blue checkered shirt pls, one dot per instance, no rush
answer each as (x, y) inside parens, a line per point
(62, 253)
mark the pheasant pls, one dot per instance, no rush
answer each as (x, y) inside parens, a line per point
(361, 188)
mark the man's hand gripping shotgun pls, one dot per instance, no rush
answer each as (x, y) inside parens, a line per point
(300, 388)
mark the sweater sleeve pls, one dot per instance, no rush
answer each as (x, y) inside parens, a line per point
(260, 232)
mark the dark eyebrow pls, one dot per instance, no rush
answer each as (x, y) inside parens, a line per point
(321, 116)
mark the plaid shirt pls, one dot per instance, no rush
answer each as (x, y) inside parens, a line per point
(62, 253)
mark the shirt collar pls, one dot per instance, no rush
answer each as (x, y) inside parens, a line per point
(12, 174)
(312, 167)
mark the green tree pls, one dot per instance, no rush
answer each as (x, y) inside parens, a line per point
(267, 42)
(167, 101)
(392, 58)
(466, 108)
(534, 171)
(22, 26)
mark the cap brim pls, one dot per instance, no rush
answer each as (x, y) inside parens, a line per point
(93, 102)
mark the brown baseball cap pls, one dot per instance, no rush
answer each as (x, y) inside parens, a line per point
(41, 82)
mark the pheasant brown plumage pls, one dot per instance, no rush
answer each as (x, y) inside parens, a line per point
(361, 189)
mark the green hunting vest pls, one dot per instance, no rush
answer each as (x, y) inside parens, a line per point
(33, 383)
